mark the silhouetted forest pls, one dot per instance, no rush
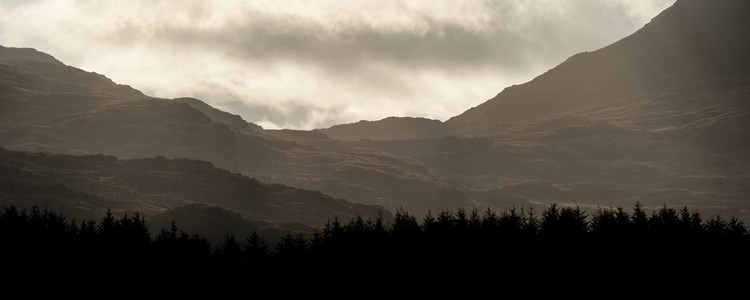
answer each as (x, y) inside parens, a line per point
(560, 243)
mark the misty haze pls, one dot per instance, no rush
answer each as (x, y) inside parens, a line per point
(282, 143)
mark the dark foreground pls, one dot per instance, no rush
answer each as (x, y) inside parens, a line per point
(562, 246)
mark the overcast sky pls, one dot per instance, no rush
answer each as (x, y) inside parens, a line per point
(313, 64)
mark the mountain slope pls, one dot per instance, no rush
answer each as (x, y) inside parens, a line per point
(86, 186)
(85, 113)
(659, 117)
(233, 121)
(692, 42)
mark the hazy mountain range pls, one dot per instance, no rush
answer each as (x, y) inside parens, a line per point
(659, 117)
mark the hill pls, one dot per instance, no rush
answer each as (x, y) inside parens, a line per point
(87, 186)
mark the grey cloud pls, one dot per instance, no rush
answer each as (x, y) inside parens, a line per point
(443, 45)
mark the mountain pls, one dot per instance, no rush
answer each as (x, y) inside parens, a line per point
(391, 128)
(88, 186)
(50, 107)
(234, 122)
(658, 117)
(694, 46)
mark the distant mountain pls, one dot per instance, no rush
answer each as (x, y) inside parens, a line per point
(25, 70)
(84, 113)
(392, 128)
(47, 106)
(233, 121)
(87, 186)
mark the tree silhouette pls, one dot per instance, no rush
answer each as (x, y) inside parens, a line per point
(230, 252)
(564, 244)
(291, 248)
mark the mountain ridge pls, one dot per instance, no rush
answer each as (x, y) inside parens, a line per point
(672, 48)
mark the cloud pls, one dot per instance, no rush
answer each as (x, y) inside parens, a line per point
(294, 64)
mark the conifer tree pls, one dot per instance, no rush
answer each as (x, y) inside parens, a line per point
(256, 250)
(230, 251)
(291, 248)
(531, 224)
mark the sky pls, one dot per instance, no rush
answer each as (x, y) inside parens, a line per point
(312, 64)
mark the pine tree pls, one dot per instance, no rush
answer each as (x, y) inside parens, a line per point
(550, 225)
(405, 226)
(230, 252)
(291, 249)
(256, 250)
(531, 224)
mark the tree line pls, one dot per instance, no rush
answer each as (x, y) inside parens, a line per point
(560, 240)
